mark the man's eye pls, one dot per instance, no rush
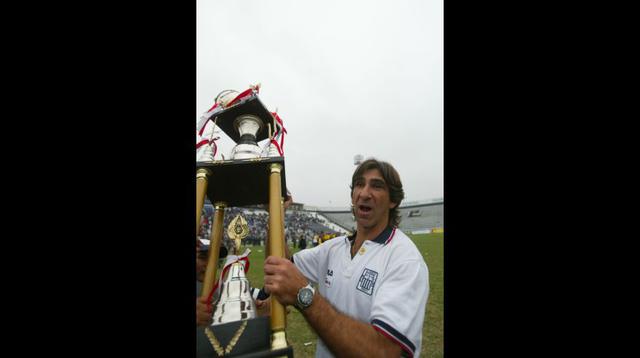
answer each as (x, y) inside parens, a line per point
(377, 185)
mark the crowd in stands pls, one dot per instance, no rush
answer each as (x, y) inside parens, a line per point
(301, 229)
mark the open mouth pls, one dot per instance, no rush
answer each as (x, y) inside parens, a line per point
(364, 209)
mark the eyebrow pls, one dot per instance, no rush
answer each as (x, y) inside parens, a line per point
(373, 181)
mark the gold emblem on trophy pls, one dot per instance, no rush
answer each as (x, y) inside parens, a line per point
(238, 229)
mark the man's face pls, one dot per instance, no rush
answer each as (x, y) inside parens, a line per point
(201, 265)
(370, 199)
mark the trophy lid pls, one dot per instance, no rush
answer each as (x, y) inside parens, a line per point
(248, 105)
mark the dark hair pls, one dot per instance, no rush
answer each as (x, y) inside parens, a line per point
(391, 177)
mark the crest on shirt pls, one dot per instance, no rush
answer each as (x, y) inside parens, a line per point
(367, 281)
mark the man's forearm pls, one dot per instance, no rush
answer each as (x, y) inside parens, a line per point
(346, 336)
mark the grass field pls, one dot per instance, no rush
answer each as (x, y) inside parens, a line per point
(302, 337)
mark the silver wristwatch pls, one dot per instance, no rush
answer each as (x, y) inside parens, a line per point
(305, 297)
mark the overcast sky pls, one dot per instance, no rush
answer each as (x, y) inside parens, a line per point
(347, 77)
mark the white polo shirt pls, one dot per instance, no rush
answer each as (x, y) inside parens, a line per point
(386, 284)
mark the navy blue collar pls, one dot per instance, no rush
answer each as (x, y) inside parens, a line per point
(383, 238)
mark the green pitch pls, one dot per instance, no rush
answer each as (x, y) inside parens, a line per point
(302, 337)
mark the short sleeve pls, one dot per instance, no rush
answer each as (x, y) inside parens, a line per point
(309, 261)
(399, 305)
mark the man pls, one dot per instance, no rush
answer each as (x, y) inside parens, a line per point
(372, 286)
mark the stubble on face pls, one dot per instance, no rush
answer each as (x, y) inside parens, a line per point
(371, 200)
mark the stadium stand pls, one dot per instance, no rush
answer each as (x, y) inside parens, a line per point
(422, 217)
(418, 216)
(342, 218)
(307, 221)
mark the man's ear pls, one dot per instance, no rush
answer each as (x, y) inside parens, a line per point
(392, 205)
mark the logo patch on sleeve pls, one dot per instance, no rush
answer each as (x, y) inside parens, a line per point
(328, 278)
(367, 281)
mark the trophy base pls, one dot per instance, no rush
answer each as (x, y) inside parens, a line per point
(241, 182)
(254, 340)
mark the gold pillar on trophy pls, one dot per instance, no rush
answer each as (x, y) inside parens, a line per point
(276, 248)
(201, 189)
(215, 241)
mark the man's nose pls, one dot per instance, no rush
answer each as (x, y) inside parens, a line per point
(365, 193)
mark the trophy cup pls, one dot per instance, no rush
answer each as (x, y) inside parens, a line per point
(248, 126)
(248, 178)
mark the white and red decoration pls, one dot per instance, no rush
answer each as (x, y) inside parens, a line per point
(207, 132)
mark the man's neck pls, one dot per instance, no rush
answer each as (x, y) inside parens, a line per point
(363, 234)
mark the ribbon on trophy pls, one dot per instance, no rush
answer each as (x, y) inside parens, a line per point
(209, 141)
(279, 133)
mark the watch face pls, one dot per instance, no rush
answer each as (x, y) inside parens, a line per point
(306, 296)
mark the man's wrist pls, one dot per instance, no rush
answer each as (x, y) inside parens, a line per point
(305, 297)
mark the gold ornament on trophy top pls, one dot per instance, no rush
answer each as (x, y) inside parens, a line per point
(238, 229)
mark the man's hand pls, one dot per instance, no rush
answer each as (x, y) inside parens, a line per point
(263, 307)
(287, 201)
(282, 279)
(203, 312)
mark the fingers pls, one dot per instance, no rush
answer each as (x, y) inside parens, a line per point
(282, 279)
(274, 260)
(203, 312)
(263, 307)
(204, 301)
(271, 283)
(262, 303)
(275, 265)
(270, 269)
(202, 305)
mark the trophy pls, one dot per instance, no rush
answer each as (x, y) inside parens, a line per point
(252, 176)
